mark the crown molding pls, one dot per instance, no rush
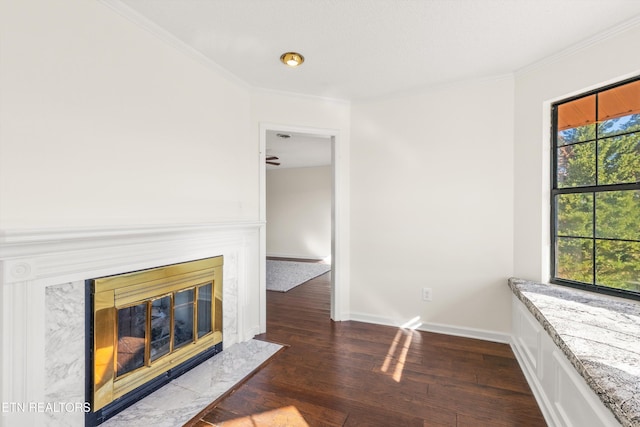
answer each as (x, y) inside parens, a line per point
(429, 89)
(259, 90)
(580, 46)
(143, 22)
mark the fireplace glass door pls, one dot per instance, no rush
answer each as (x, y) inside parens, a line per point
(160, 341)
(148, 322)
(131, 338)
(170, 323)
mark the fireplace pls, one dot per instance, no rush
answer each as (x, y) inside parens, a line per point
(148, 327)
(46, 304)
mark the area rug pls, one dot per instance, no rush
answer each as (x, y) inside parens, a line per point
(286, 275)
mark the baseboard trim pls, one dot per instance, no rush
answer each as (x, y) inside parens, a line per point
(251, 333)
(481, 334)
(377, 320)
(438, 328)
(309, 257)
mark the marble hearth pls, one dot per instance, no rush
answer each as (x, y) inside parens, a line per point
(43, 303)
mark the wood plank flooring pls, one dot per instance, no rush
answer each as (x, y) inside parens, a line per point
(358, 374)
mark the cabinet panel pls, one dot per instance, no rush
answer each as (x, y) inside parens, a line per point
(563, 395)
(528, 335)
(575, 402)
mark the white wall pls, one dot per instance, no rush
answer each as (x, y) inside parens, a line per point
(432, 206)
(109, 133)
(596, 63)
(103, 123)
(299, 212)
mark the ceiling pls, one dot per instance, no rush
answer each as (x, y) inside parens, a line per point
(362, 49)
(299, 150)
(358, 50)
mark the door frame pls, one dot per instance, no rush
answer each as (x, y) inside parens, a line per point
(339, 219)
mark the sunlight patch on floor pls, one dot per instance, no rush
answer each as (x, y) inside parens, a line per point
(287, 416)
(396, 357)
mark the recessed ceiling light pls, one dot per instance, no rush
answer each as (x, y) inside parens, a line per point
(292, 59)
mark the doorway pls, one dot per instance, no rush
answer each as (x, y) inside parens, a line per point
(337, 243)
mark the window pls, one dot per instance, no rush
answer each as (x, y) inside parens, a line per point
(595, 194)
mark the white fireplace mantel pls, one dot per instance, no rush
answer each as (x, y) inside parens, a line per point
(33, 260)
(46, 255)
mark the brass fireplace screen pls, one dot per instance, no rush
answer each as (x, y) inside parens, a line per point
(148, 322)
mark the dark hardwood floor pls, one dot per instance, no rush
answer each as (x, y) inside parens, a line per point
(359, 374)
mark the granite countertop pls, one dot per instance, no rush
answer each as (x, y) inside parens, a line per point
(600, 336)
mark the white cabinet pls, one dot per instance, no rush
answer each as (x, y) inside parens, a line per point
(564, 397)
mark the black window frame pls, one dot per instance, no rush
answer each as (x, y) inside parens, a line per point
(593, 189)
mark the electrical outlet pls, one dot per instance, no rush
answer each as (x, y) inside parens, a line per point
(426, 294)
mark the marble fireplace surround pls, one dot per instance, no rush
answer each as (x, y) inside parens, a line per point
(42, 295)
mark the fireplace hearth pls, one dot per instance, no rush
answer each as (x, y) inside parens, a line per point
(148, 327)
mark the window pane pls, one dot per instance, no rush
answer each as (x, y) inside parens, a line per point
(577, 120)
(131, 338)
(618, 215)
(596, 188)
(618, 125)
(204, 310)
(160, 327)
(574, 259)
(618, 264)
(183, 318)
(577, 165)
(575, 214)
(619, 109)
(619, 159)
